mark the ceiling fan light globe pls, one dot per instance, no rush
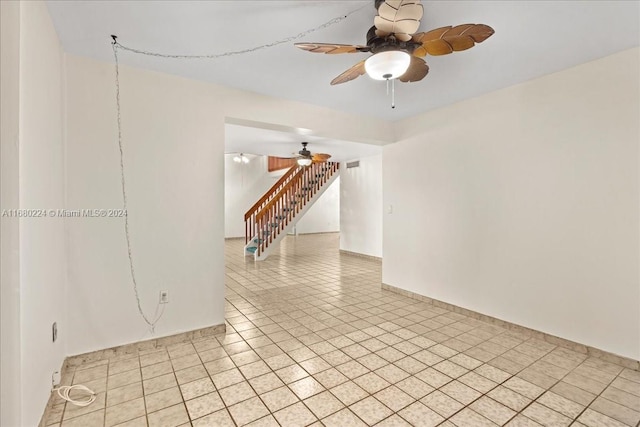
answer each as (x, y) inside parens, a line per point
(237, 159)
(304, 161)
(245, 159)
(387, 65)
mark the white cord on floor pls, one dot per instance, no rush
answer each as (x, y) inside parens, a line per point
(65, 390)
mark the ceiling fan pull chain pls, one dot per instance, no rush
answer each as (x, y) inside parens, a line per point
(393, 93)
(387, 87)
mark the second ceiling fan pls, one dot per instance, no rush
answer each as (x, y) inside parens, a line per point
(396, 46)
(305, 157)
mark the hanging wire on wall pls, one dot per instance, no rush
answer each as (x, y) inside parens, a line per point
(151, 323)
(117, 45)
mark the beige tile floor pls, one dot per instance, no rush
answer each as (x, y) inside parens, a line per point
(313, 340)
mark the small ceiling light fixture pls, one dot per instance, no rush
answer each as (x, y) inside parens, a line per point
(304, 161)
(387, 65)
(241, 158)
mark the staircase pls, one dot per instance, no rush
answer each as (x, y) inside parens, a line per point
(275, 214)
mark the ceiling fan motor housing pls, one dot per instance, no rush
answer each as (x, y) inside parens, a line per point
(304, 152)
(382, 44)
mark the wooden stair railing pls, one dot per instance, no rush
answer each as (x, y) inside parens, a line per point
(249, 216)
(276, 210)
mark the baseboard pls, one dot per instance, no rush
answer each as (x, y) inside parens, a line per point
(359, 255)
(233, 238)
(552, 339)
(150, 344)
(319, 232)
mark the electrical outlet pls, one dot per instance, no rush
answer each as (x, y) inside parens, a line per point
(54, 331)
(164, 297)
(55, 379)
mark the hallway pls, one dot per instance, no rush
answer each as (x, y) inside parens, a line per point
(313, 340)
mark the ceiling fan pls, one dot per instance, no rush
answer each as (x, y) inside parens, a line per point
(305, 157)
(396, 46)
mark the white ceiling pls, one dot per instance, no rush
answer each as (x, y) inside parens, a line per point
(532, 38)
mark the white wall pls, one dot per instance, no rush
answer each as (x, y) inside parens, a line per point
(174, 171)
(523, 204)
(324, 215)
(173, 131)
(43, 260)
(244, 184)
(34, 276)
(361, 207)
(10, 386)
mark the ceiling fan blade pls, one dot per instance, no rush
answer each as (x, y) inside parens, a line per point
(417, 70)
(331, 48)
(437, 47)
(430, 35)
(398, 17)
(321, 157)
(352, 73)
(445, 40)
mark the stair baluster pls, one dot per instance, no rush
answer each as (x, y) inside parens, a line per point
(276, 210)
